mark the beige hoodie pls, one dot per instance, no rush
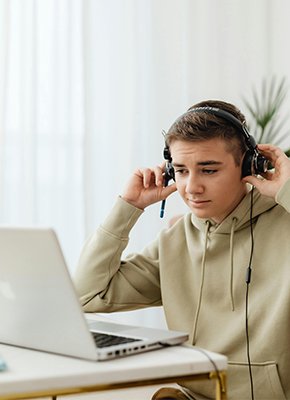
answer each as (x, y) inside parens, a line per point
(196, 270)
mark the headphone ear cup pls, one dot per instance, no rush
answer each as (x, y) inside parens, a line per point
(170, 171)
(261, 164)
(247, 164)
(254, 163)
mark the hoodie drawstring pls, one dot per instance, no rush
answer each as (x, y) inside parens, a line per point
(201, 283)
(234, 221)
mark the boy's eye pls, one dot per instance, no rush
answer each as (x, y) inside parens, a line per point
(180, 171)
(209, 171)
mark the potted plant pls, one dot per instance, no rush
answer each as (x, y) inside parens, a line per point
(266, 122)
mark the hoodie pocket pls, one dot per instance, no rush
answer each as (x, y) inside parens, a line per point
(266, 381)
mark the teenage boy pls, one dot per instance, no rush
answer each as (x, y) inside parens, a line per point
(238, 222)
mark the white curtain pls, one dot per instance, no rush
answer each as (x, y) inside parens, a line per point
(87, 86)
(42, 125)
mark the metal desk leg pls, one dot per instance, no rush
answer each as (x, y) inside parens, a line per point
(221, 392)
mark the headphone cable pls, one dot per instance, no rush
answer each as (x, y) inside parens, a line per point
(213, 364)
(248, 280)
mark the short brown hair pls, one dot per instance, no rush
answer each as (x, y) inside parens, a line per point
(200, 126)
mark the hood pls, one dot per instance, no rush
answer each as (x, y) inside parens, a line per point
(239, 219)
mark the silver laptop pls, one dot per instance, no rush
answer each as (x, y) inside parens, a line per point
(39, 308)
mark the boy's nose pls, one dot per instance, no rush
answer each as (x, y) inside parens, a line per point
(194, 185)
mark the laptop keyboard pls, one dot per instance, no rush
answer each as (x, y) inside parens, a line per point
(106, 340)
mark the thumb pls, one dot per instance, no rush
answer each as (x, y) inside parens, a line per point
(168, 190)
(253, 180)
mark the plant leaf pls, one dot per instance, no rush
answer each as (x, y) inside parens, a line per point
(265, 109)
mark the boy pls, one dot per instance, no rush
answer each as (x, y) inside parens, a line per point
(196, 269)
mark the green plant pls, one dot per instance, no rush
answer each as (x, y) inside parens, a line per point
(265, 111)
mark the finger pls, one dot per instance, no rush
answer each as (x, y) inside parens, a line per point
(147, 175)
(268, 175)
(168, 190)
(253, 180)
(158, 171)
(271, 152)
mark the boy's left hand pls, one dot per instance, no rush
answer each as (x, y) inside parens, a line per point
(271, 182)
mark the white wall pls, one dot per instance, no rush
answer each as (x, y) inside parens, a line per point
(157, 58)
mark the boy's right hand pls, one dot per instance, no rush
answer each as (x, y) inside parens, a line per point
(146, 187)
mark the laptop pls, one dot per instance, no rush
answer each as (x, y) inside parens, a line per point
(39, 307)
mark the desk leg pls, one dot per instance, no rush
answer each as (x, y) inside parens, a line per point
(221, 392)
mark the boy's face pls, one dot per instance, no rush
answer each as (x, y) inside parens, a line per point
(207, 177)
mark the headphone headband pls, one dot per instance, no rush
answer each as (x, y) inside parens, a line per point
(253, 162)
(250, 141)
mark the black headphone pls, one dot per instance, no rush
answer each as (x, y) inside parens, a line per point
(253, 162)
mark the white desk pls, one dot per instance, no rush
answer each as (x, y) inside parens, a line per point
(33, 374)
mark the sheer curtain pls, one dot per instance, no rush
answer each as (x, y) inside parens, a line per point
(86, 86)
(42, 117)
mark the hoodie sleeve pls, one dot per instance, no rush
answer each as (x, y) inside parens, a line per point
(104, 282)
(283, 196)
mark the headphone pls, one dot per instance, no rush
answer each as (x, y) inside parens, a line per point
(253, 162)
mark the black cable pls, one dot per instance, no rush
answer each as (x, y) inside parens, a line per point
(208, 357)
(248, 280)
(212, 362)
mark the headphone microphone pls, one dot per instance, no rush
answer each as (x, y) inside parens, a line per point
(254, 163)
(168, 176)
